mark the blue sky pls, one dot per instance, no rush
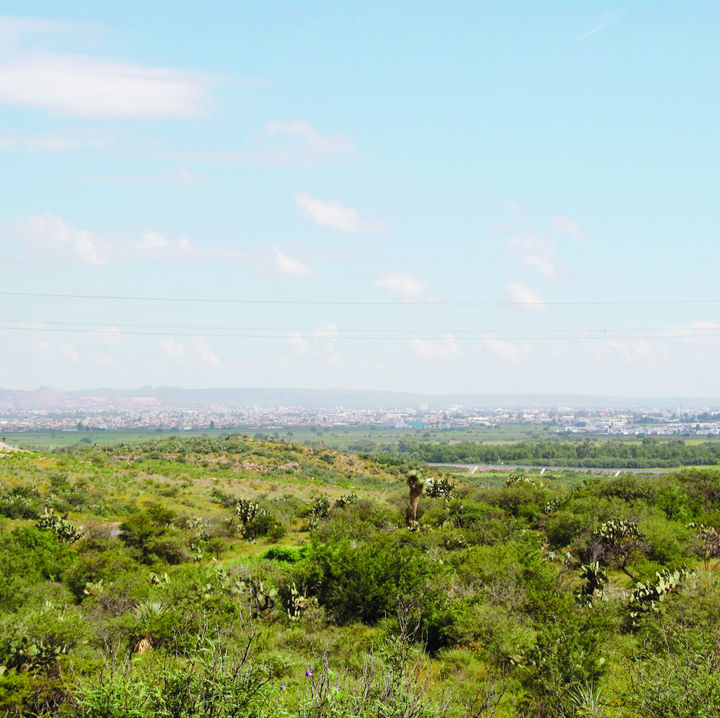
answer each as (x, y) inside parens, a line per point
(462, 175)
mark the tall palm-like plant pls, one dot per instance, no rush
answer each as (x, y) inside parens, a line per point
(415, 484)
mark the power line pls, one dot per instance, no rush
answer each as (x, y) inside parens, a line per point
(110, 326)
(587, 337)
(319, 302)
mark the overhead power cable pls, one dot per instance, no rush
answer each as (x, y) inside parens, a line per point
(110, 326)
(325, 336)
(323, 302)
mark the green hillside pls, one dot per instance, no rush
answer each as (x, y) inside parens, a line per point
(243, 577)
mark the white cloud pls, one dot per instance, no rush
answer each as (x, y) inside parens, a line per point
(539, 254)
(325, 345)
(524, 295)
(51, 142)
(13, 28)
(329, 331)
(500, 348)
(290, 267)
(172, 349)
(70, 353)
(566, 225)
(405, 286)
(297, 342)
(332, 214)
(205, 353)
(154, 245)
(96, 88)
(112, 336)
(52, 234)
(697, 328)
(634, 351)
(611, 21)
(304, 144)
(180, 177)
(328, 336)
(445, 349)
(103, 359)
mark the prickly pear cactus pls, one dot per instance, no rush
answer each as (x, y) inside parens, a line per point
(438, 488)
(248, 511)
(61, 527)
(646, 596)
(346, 500)
(595, 581)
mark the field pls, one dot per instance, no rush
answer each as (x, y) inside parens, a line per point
(345, 438)
(241, 576)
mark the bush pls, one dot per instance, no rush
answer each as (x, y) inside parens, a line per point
(365, 582)
(98, 565)
(286, 554)
(562, 529)
(28, 557)
(265, 525)
(61, 527)
(151, 532)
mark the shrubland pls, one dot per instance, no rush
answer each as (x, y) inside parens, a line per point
(244, 577)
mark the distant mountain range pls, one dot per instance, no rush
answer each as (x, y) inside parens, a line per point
(173, 397)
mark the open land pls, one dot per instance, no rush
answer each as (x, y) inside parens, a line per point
(276, 577)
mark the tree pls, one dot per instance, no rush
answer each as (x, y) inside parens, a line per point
(415, 484)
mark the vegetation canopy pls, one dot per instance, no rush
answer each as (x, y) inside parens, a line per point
(239, 576)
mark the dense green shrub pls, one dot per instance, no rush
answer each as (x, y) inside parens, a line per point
(264, 525)
(365, 582)
(154, 536)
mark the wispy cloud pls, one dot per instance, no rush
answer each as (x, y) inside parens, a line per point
(153, 245)
(505, 350)
(181, 177)
(290, 267)
(14, 29)
(525, 296)
(537, 253)
(600, 27)
(171, 349)
(302, 143)
(334, 215)
(297, 342)
(277, 144)
(566, 225)
(205, 353)
(445, 349)
(404, 286)
(51, 142)
(51, 234)
(98, 88)
(52, 237)
(70, 353)
(322, 344)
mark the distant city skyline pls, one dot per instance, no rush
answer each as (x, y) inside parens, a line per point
(454, 198)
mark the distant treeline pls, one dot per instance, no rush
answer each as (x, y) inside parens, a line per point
(609, 454)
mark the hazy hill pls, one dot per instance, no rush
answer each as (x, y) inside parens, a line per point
(237, 398)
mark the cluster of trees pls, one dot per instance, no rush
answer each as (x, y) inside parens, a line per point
(648, 453)
(199, 595)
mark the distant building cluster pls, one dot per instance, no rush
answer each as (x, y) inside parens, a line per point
(609, 422)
